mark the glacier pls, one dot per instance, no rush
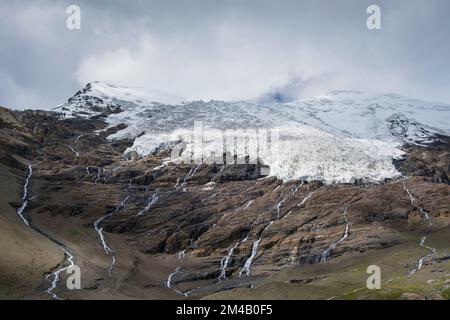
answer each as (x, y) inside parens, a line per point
(338, 137)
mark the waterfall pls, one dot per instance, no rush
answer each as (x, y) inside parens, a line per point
(191, 173)
(24, 205)
(152, 201)
(248, 264)
(56, 274)
(322, 258)
(426, 216)
(99, 230)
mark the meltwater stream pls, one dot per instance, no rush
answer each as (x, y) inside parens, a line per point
(192, 172)
(248, 264)
(103, 241)
(246, 269)
(56, 274)
(25, 195)
(152, 201)
(426, 216)
(77, 154)
(226, 259)
(69, 257)
(291, 192)
(169, 283)
(322, 258)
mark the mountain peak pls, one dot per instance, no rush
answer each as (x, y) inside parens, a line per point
(100, 99)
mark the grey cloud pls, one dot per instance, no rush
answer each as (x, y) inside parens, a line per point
(233, 49)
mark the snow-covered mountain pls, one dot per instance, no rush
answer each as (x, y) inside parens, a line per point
(336, 137)
(99, 98)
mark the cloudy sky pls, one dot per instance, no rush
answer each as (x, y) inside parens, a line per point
(234, 49)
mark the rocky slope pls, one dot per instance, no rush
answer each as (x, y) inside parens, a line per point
(140, 226)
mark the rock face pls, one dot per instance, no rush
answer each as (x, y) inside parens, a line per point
(431, 161)
(25, 254)
(175, 230)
